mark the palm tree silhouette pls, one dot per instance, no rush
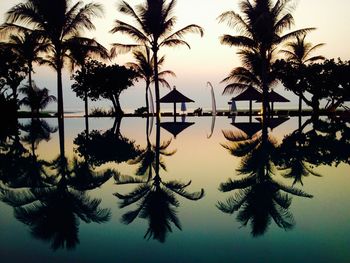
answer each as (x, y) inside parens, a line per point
(58, 22)
(29, 45)
(153, 27)
(259, 198)
(156, 200)
(35, 98)
(298, 52)
(261, 26)
(144, 67)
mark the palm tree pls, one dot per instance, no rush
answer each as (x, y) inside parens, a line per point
(80, 50)
(28, 45)
(144, 67)
(58, 22)
(35, 98)
(153, 27)
(298, 52)
(261, 27)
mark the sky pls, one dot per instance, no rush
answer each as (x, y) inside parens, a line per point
(207, 60)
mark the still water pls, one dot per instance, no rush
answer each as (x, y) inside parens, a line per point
(202, 190)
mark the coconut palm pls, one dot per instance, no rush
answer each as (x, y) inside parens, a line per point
(58, 22)
(298, 52)
(261, 28)
(28, 45)
(144, 67)
(153, 27)
(35, 98)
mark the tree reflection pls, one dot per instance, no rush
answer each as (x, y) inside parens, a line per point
(260, 198)
(54, 205)
(155, 198)
(326, 143)
(109, 146)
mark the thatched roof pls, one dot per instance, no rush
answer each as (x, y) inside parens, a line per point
(175, 96)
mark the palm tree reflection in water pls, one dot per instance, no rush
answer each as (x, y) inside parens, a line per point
(260, 198)
(156, 199)
(54, 208)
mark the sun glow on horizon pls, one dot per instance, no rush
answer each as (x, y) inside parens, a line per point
(208, 60)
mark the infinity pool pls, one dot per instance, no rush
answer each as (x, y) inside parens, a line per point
(194, 190)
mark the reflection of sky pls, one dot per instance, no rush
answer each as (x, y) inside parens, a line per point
(208, 60)
(320, 234)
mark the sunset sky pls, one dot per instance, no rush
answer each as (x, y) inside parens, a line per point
(208, 60)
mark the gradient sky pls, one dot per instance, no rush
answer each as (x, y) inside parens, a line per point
(208, 60)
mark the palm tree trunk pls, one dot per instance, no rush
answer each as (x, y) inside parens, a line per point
(61, 136)
(265, 89)
(59, 93)
(156, 79)
(30, 83)
(157, 146)
(146, 95)
(86, 112)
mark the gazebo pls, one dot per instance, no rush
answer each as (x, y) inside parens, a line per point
(249, 94)
(174, 97)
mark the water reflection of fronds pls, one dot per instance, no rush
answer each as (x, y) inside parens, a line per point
(156, 202)
(147, 158)
(259, 198)
(53, 213)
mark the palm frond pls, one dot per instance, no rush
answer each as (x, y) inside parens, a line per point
(230, 185)
(238, 41)
(125, 179)
(235, 21)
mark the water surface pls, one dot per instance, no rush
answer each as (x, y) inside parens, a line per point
(79, 208)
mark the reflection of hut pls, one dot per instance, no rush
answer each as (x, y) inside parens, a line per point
(175, 96)
(175, 127)
(251, 128)
(274, 97)
(274, 122)
(249, 94)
